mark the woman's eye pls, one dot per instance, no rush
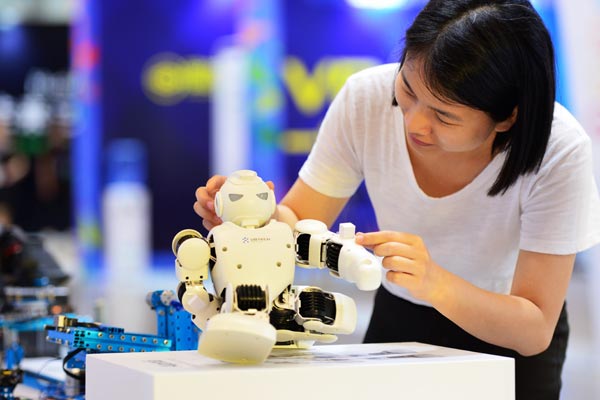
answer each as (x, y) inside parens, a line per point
(406, 89)
(442, 121)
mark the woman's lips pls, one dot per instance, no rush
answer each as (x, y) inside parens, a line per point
(416, 141)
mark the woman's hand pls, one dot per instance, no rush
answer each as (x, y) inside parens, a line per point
(407, 260)
(205, 200)
(523, 320)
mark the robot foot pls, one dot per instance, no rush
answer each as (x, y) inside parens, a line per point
(302, 340)
(237, 338)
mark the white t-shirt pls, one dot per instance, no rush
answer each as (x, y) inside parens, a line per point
(555, 211)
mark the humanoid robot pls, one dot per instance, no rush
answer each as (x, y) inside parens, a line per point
(250, 258)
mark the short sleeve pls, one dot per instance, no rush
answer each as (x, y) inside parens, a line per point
(333, 167)
(561, 208)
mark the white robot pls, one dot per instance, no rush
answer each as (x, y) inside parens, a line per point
(250, 258)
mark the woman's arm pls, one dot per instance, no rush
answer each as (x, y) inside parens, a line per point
(523, 320)
(303, 202)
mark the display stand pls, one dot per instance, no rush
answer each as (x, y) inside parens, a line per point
(400, 370)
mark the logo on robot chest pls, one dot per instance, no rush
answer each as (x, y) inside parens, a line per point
(258, 239)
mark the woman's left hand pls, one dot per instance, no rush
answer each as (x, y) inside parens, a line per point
(407, 260)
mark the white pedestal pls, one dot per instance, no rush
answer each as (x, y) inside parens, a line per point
(398, 370)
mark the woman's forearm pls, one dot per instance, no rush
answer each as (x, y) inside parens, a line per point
(504, 320)
(523, 320)
(285, 214)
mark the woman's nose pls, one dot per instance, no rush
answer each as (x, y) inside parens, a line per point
(416, 121)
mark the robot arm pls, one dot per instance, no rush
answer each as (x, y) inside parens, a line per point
(317, 247)
(192, 253)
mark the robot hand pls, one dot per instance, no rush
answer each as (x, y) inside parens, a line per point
(318, 247)
(196, 300)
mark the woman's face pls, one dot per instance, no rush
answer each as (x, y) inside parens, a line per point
(434, 126)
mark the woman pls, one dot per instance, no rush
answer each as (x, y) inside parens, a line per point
(482, 186)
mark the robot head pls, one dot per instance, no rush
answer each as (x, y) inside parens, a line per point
(245, 199)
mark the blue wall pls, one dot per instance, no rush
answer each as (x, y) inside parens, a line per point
(144, 67)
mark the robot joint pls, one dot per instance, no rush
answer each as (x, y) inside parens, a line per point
(251, 297)
(303, 248)
(283, 318)
(183, 239)
(314, 303)
(333, 255)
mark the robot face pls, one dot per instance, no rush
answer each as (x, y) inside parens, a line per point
(245, 199)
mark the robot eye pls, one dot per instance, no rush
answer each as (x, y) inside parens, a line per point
(263, 196)
(235, 197)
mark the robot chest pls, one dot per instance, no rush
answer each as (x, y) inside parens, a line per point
(253, 257)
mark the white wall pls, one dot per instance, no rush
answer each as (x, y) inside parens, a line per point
(579, 22)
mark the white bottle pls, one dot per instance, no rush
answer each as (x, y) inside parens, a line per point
(126, 207)
(126, 210)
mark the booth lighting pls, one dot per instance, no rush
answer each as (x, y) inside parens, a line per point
(378, 4)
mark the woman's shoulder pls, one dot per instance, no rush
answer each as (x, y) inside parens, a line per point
(567, 139)
(377, 72)
(374, 79)
(370, 89)
(566, 130)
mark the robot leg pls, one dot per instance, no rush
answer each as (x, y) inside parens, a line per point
(325, 312)
(241, 333)
(290, 334)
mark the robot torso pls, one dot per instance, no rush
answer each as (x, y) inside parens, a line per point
(264, 256)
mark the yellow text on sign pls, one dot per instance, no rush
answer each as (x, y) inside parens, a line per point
(169, 78)
(311, 92)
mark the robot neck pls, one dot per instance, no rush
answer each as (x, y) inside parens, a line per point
(250, 223)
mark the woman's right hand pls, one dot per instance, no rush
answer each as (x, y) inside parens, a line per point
(205, 201)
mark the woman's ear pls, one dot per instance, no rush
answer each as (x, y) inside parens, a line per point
(505, 125)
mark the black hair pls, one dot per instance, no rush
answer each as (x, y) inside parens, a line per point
(492, 56)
